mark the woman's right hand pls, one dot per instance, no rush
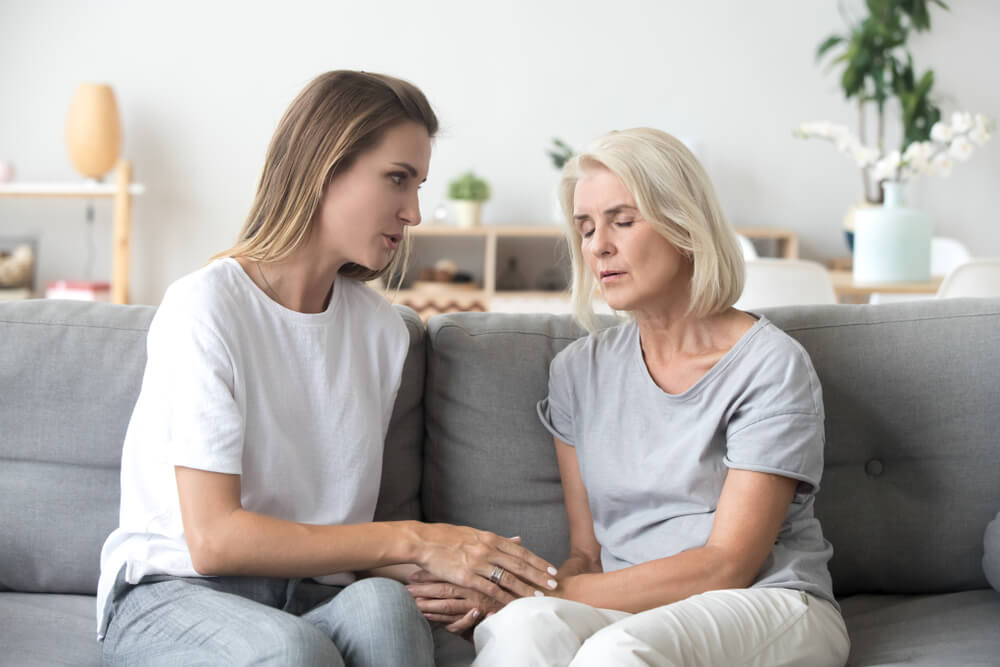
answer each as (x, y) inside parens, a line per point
(469, 557)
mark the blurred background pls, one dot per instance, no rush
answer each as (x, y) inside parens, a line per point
(201, 85)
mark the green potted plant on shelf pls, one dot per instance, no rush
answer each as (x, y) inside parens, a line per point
(467, 194)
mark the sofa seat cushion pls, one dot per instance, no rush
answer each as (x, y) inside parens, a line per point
(39, 629)
(950, 629)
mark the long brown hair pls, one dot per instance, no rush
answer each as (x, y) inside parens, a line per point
(335, 118)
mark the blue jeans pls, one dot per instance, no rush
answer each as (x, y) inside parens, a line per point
(266, 621)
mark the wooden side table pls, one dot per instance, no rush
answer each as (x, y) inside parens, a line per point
(849, 291)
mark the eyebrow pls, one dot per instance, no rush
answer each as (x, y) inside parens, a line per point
(609, 212)
(408, 167)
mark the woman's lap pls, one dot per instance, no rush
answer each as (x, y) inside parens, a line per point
(180, 622)
(746, 626)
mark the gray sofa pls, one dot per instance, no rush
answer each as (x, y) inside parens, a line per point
(912, 461)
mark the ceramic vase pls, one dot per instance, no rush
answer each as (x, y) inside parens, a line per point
(892, 243)
(93, 130)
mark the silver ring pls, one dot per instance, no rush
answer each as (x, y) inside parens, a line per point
(496, 574)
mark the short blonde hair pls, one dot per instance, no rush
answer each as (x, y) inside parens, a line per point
(336, 117)
(676, 197)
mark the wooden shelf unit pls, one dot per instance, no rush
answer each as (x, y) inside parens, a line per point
(442, 299)
(121, 192)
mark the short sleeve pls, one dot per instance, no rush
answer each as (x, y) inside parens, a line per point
(557, 409)
(991, 553)
(190, 374)
(779, 430)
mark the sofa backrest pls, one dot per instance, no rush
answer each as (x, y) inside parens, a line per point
(70, 373)
(912, 455)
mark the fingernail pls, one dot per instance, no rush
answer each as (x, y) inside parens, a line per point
(553, 583)
(475, 613)
(553, 571)
(539, 594)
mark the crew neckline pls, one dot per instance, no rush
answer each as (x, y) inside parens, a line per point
(281, 311)
(710, 375)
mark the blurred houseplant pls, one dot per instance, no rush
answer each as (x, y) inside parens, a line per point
(560, 153)
(879, 74)
(467, 193)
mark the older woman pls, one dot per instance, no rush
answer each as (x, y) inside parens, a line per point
(689, 439)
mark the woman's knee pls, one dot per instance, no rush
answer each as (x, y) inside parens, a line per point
(614, 644)
(526, 617)
(287, 640)
(379, 600)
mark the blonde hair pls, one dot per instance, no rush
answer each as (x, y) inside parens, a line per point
(336, 117)
(676, 197)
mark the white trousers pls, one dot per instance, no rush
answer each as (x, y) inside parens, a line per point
(741, 627)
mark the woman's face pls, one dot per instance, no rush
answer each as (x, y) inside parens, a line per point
(366, 207)
(636, 267)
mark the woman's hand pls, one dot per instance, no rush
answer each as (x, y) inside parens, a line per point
(497, 567)
(458, 608)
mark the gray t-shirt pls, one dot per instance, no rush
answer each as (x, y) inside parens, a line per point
(654, 463)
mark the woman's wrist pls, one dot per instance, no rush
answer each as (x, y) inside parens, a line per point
(409, 542)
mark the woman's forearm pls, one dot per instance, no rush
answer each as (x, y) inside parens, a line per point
(251, 544)
(655, 583)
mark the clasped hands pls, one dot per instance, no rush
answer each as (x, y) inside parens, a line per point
(492, 571)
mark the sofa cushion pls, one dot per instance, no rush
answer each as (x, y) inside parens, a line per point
(913, 439)
(399, 495)
(41, 630)
(69, 376)
(952, 629)
(488, 461)
(70, 373)
(991, 553)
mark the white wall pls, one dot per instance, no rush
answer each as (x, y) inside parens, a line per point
(202, 84)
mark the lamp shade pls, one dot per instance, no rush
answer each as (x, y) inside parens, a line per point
(93, 131)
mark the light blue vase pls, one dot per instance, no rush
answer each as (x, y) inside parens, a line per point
(892, 243)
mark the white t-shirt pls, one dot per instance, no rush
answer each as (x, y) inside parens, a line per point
(296, 404)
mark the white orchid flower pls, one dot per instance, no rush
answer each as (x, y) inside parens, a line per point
(941, 132)
(942, 165)
(961, 122)
(960, 149)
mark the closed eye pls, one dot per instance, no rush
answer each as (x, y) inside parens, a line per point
(625, 223)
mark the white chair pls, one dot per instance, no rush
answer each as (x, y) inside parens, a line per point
(749, 249)
(946, 255)
(785, 282)
(976, 278)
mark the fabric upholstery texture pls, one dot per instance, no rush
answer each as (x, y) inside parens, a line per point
(912, 468)
(912, 472)
(488, 461)
(64, 417)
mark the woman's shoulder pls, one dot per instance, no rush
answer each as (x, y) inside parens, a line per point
(772, 346)
(593, 347)
(207, 294)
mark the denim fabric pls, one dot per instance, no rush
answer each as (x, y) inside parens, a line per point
(265, 621)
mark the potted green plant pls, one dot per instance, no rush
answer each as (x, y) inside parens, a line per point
(467, 194)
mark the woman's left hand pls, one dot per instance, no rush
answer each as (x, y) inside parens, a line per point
(459, 609)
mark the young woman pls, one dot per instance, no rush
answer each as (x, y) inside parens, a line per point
(252, 460)
(689, 440)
